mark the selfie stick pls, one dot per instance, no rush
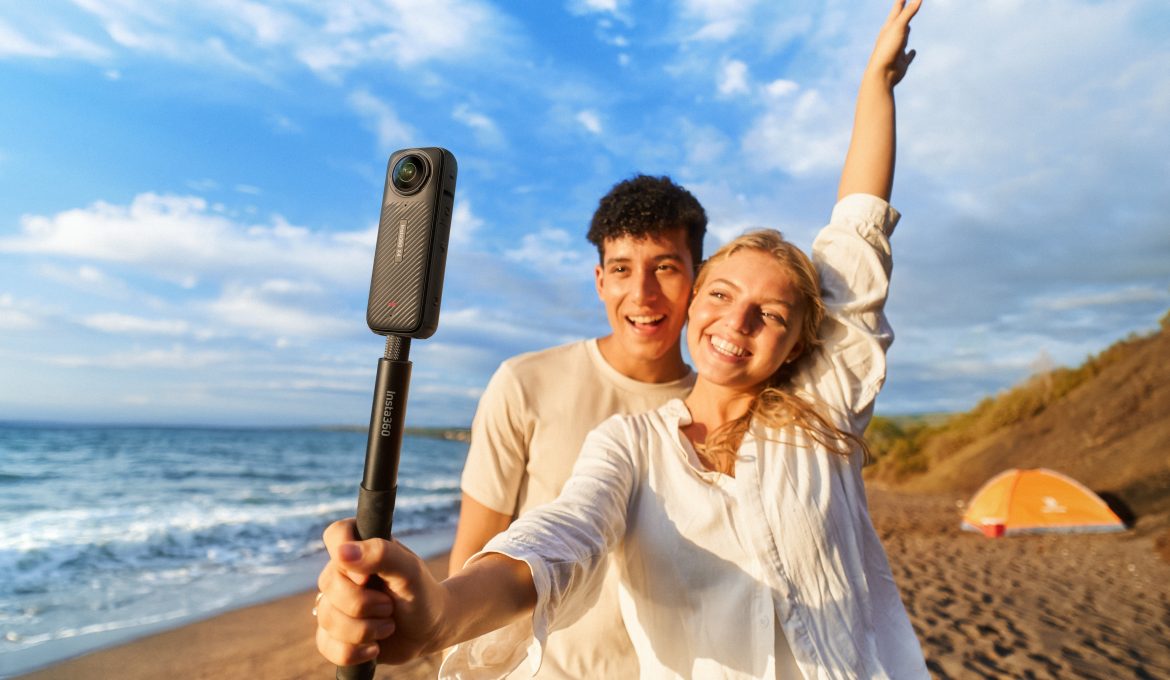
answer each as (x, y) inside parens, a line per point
(375, 509)
(405, 291)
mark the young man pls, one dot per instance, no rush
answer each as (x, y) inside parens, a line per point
(538, 407)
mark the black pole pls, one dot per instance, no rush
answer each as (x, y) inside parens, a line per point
(375, 509)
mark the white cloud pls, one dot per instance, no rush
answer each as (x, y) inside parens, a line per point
(48, 44)
(263, 39)
(365, 240)
(406, 33)
(114, 322)
(780, 88)
(14, 44)
(177, 355)
(248, 189)
(607, 11)
(326, 60)
(492, 327)
(717, 31)
(288, 287)
(717, 20)
(799, 135)
(486, 130)
(550, 248)
(1043, 161)
(13, 317)
(86, 277)
(1121, 296)
(90, 274)
(706, 149)
(464, 223)
(590, 121)
(410, 32)
(256, 309)
(454, 391)
(204, 184)
(1094, 87)
(592, 6)
(178, 239)
(382, 119)
(266, 24)
(283, 124)
(733, 78)
(109, 232)
(181, 34)
(481, 323)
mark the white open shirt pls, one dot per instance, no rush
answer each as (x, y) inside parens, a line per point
(775, 573)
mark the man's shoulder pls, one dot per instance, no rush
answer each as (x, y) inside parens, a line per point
(569, 354)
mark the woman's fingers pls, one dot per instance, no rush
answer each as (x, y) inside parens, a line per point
(342, 533)
(353, 600)
(905, 11)
(352, 630)
(895, 10)
(914, 6)
(343, 654)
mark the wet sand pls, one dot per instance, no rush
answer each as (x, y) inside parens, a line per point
(1055, 606)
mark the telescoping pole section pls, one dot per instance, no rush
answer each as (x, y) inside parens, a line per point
(375, 510)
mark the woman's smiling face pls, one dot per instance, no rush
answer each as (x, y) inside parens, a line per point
(745, 320)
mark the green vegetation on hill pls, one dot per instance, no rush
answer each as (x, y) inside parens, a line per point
(904, 448)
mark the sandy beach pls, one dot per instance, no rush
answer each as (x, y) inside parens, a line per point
(1047, 606)
(1056, 606)
(271, 641)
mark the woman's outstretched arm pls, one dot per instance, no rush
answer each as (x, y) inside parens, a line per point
(869, 164)
(563, 547)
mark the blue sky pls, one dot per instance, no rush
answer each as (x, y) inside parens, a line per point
(189, 191)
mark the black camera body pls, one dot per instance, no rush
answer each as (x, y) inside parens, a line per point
(406, 287)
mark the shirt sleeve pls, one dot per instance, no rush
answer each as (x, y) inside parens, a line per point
(498, 454)
(566, 544)
(852, 256)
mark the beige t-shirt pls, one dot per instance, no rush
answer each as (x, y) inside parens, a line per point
(527, 432)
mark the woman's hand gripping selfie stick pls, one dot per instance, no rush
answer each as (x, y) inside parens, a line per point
(405, 292)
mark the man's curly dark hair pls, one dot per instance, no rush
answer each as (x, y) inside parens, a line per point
(644, 206)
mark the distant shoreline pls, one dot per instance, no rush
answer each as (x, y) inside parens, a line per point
(458, 434)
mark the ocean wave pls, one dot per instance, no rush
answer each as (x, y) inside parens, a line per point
(105, 529)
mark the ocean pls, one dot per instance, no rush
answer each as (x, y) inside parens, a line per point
(111, 533)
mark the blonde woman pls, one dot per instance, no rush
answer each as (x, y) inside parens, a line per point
(736, 517)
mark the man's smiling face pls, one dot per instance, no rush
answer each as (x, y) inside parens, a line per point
(645, 284)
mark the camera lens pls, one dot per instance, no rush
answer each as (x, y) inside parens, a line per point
(409, 174)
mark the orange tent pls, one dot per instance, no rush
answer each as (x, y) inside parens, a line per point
(1037, 501)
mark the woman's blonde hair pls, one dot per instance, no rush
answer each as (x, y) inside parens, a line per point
(777, 406)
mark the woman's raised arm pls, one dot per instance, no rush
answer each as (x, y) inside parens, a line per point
(869, 164)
